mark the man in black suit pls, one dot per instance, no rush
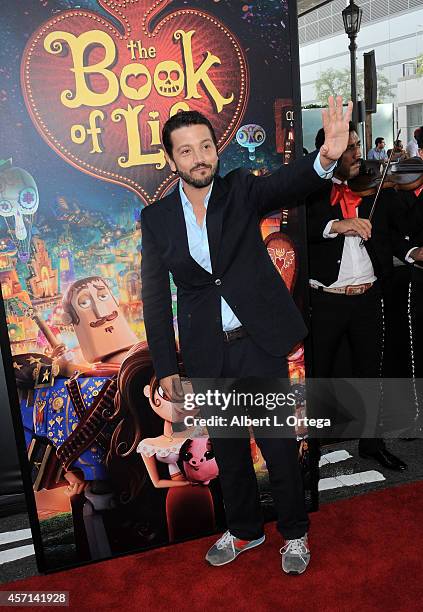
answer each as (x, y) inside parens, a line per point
(350, 261)
(236, 318)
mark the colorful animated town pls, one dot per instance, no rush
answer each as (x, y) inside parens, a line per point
(39, 261)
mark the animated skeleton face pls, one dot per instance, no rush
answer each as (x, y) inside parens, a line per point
(18, 198)
(251, 136)
(169, 81)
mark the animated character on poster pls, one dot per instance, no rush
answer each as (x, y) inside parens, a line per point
(103, 333)
(189, 508)
(104, 337)
(198, 460)
(102, 330)
(76, 418)
(18, 204)
(250, 137)
(104, 488)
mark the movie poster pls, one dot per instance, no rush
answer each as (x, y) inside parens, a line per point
(85, 88)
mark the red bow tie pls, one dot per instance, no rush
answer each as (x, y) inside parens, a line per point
(348, 200)
(418, 191)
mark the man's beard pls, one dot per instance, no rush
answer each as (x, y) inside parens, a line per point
(199, 182)
(354, 170)
(347, 173)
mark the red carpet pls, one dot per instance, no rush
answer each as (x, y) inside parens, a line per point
(366, 555)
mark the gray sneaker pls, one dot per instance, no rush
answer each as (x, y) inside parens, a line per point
(228, 547)
(295, 555)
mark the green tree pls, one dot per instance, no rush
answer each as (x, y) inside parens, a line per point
(419, 70)
(337, 82)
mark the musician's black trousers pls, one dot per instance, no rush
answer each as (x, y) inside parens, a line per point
(243, 358)
(416, 337)
(359, 319)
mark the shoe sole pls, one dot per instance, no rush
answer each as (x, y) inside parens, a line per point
(237, 555)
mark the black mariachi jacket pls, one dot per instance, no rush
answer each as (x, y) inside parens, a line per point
(414, 216)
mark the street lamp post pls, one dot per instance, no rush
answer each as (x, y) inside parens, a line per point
(351, 16)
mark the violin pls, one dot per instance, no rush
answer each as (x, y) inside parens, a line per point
(404, 175)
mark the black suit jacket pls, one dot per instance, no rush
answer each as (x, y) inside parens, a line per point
(243, 272)
(414, 208)
(388, 234)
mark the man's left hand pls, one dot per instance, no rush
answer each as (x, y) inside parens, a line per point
(417, 254)
(336, 127)
(76, 485)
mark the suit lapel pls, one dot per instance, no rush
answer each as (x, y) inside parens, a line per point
(178, 229)
(176, 220)
(337, 211)
(364, 207)
(214, 218)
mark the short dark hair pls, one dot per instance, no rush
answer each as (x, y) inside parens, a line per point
(184, 119)
(320, 136)
(417, 131)
(378, 140)
(419, 138)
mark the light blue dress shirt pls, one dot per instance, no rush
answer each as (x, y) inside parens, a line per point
(376, 155)
(198, 241)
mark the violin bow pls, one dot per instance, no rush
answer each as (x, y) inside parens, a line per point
(382, 180)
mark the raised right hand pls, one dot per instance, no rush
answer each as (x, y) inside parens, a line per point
(172, 387)
(353, 227)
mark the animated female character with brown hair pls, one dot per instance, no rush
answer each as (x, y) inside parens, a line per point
(151, 426)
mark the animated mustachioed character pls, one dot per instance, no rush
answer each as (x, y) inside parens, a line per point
(102, 330)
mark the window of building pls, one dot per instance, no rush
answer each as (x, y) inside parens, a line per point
(409, 69)
(414, 118)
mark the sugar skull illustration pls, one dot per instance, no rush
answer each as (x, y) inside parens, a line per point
(251, 136)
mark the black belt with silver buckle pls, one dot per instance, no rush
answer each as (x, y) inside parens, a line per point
(234, 334)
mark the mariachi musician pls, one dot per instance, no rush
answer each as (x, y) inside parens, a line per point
(350, 262)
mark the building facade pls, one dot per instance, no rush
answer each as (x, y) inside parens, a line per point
(393, 28)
